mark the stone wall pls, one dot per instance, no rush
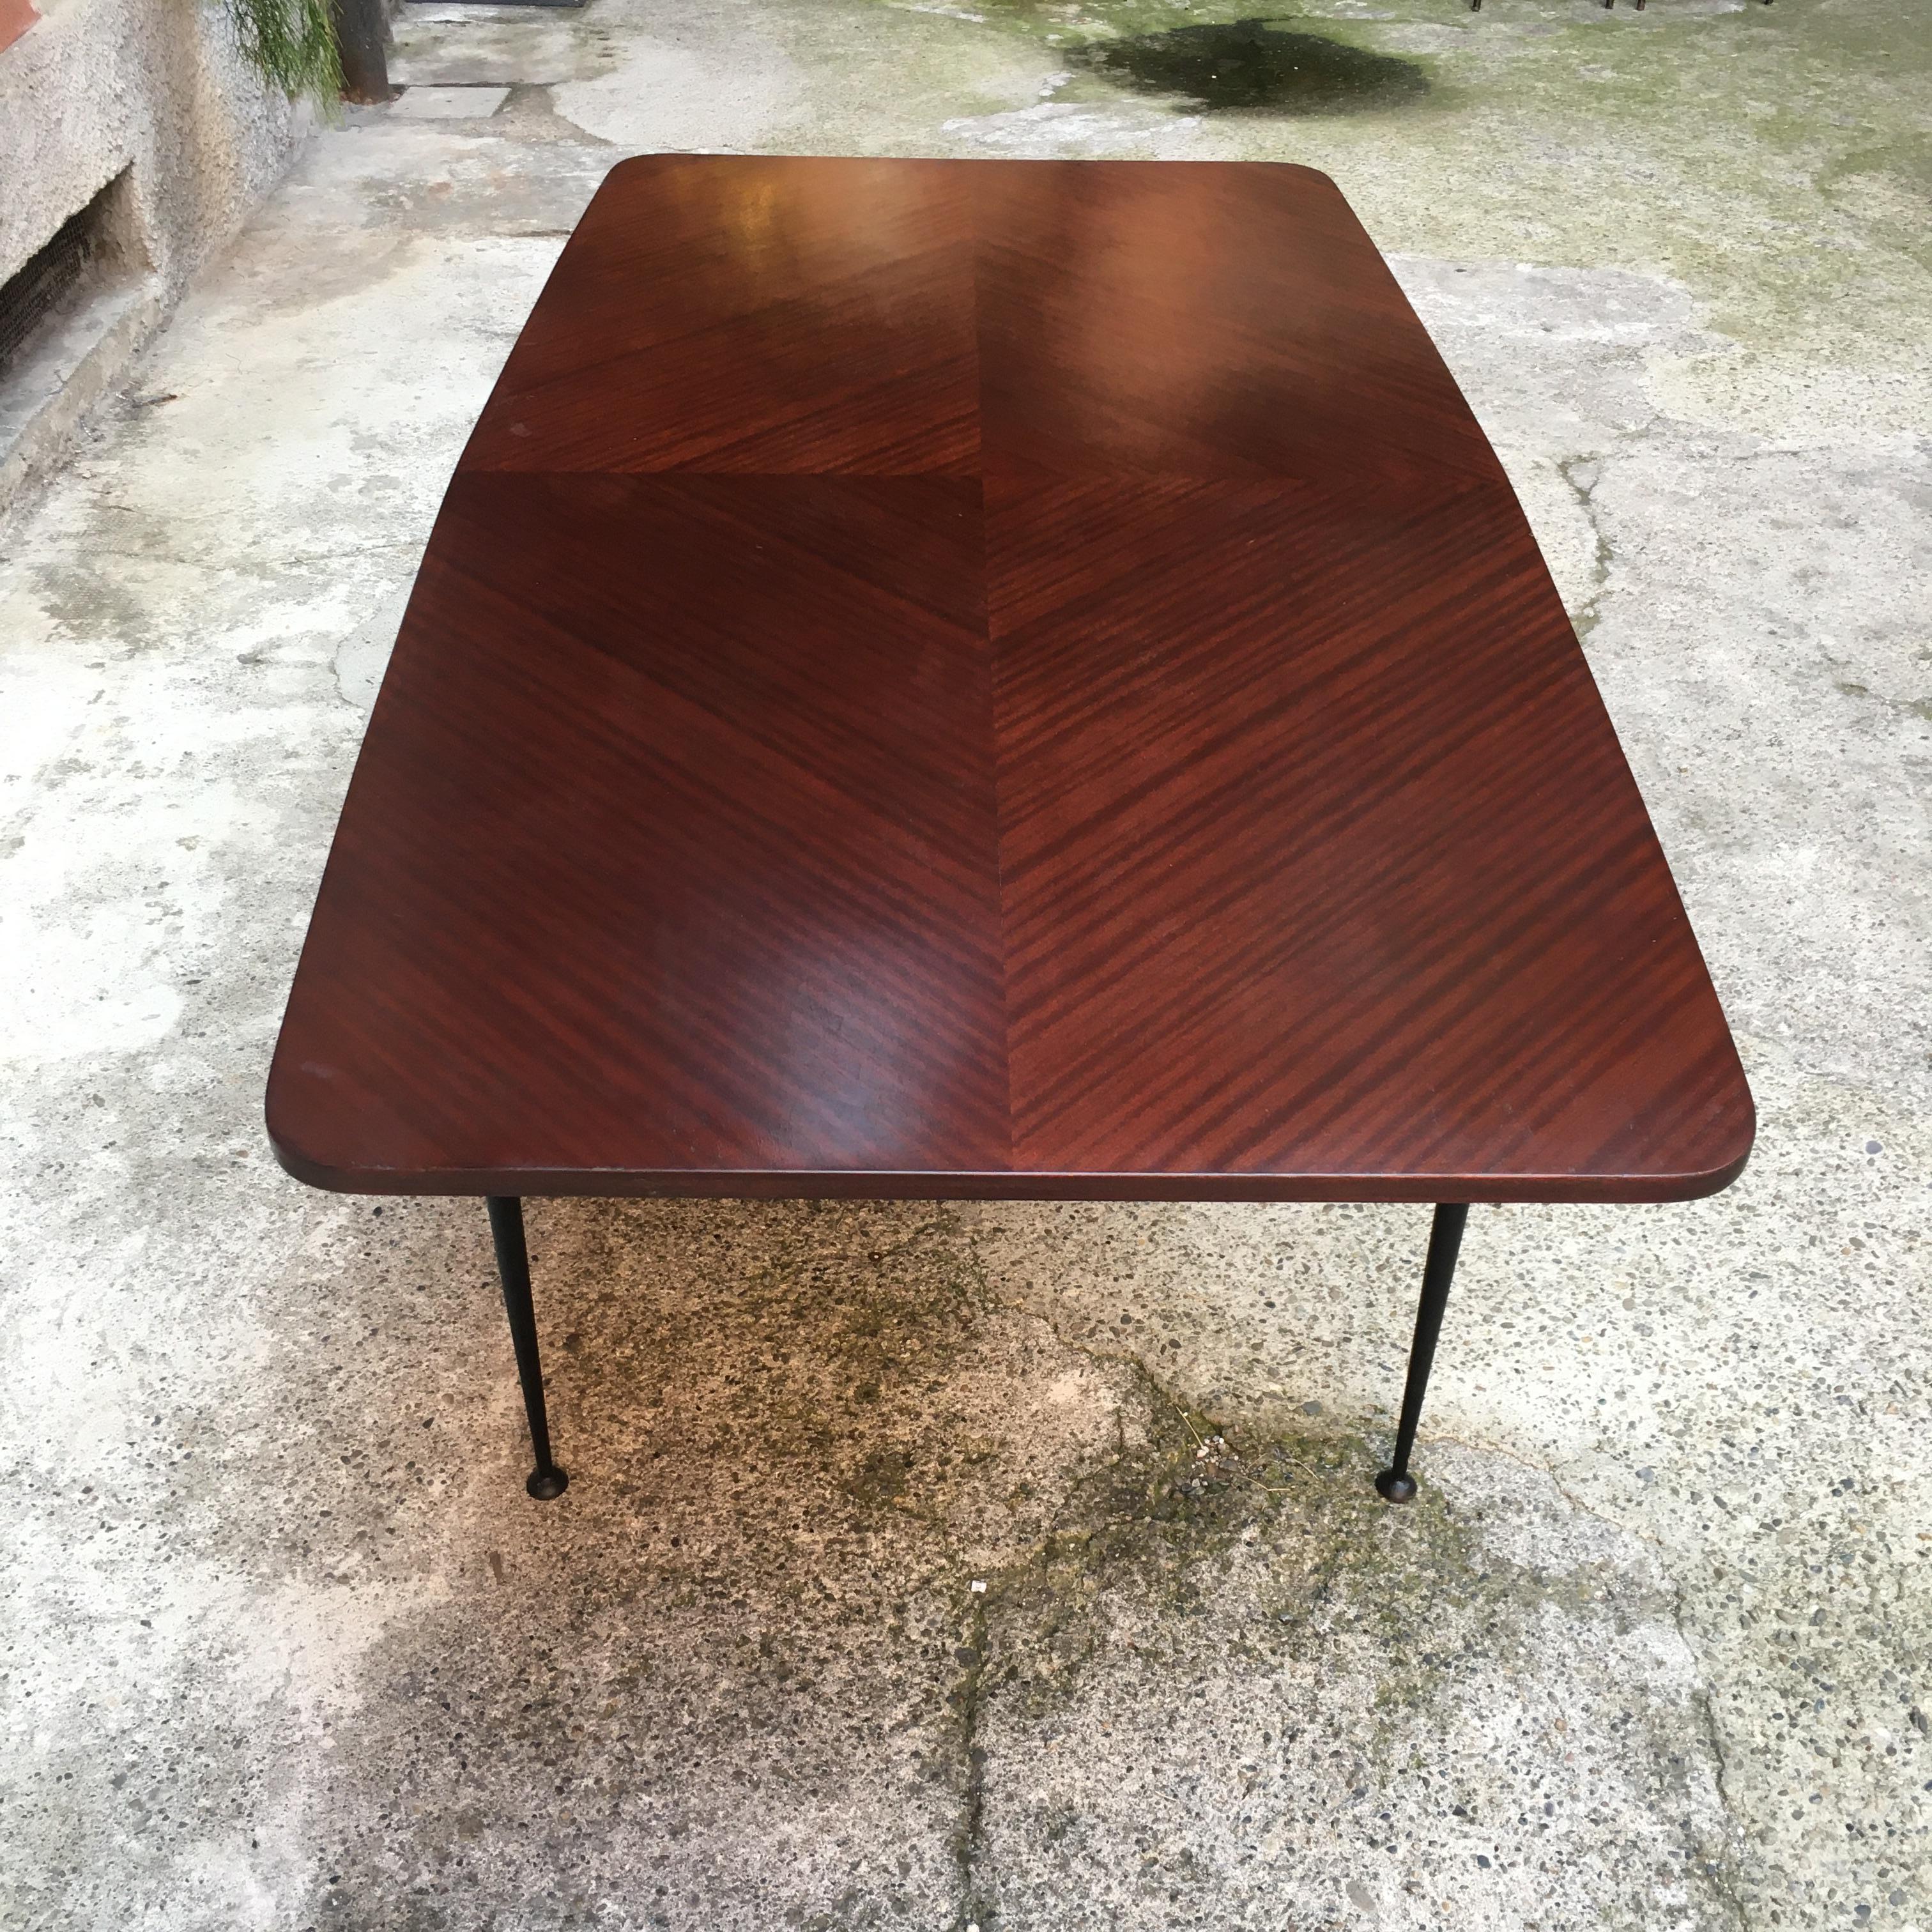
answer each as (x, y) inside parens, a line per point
(152, 99)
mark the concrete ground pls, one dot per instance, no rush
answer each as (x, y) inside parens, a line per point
(1008, 1566)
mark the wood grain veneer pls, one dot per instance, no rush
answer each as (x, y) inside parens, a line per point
(1003, 679)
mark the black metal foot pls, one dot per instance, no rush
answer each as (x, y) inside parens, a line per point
(1445, 1239)
(547, 1481)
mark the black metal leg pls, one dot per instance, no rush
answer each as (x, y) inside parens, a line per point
(1445, 1238)
(513, 1264)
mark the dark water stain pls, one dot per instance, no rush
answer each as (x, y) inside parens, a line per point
(1250, 64)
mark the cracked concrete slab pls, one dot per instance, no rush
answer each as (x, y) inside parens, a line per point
(447, 103)
(1655, 1648)
(1205, 1706)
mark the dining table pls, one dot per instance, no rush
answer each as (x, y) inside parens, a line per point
(992, 680)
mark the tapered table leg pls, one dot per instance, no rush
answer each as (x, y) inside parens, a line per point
(1445, 1239)
(513, 1263)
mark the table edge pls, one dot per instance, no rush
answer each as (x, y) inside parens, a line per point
(867, 1184)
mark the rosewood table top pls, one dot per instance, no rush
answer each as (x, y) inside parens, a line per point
(1009, 679)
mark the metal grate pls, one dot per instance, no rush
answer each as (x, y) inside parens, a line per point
(51, 274)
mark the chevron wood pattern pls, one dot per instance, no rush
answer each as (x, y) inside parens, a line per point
(996, 679)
